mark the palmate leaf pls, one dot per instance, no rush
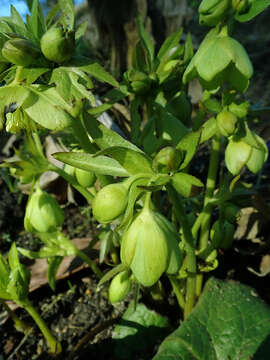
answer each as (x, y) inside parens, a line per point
(67, 13)
(102, 165)
(229, 322)
(35, 20)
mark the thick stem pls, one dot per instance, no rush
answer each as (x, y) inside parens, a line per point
(53, 344)
(177, 291)
(190, 251)
(208, 207)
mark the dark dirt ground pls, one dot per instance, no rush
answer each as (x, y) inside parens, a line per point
(76, 309)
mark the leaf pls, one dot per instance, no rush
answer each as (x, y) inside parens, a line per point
(188, 145)
(105, 137)
(94, 69)
(102, 165)
(135, 118)
(16, 17)
(13, 258)
(81, 30)
(67, 17)
(11, 95)
(185, 184)
(29, 76)
(4, 273)
(257, 6)
(138, 331)
(171, 42)
(51, 15)
(229, 322)
(47, 108)
(208, 130)
(133, 162)
(36, 21)
(53, 266)
(17, 287)
(114, 271)
(146, 40)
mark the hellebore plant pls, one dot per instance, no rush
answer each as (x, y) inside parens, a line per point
(156, 218)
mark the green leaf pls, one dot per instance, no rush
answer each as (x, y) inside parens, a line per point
(95, 70)
(17, 286)
(257, 6)
(105, 137)
(171, 42)
(10, 95)
(185, 184)
(68, 15)
(13, 258)
(146, 40)
(132, 161)
(46, 107)
(111, 273)
(4, 273)
(102, 165)
(36, 20)
(51, 15)
(81, 30)
(29, 76)
(188, 145)
(53, 266)
(16, 17)
(135, 118)
(138, 332)
(208, 130)
(229, 322)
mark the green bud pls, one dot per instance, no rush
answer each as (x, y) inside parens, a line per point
(150, 247)
(232, 212)
(241, 6)
(58, 44)
(120, 286)
(20, 52)
(226, 122)
(237, 154)
(85, 178)
(43, 213)
(167, 159)
(222, 234)
(110, 202)
(139, 81)
(213, 11)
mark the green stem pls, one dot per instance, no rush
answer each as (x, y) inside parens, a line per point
(177, 291)
(53, 344)
(208, 207)
(16, 80)
(18, 323)
(92, 265)
(190, 251)
(89, 197)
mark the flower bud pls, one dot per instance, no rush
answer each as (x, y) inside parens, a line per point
(232, 212)
(241, 6)
(167, 159)
(85, 178)
(222, 234)
(237, 154)
(139, 81)
(213, 11)
(226, 122)
(258, 156)
(43, 213)
(150, 247)
(20, 52)
(110, 202)
(120, 286)
(58, 44)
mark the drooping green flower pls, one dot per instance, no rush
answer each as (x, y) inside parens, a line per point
(20, 52)
(150, 247)
(43, 213)
(120, 286)
(220, 59)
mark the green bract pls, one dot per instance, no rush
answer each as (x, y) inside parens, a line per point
(85, 178)
(220, 59)
(43, 213)
(20, 52)
(110, 202)
(58, 44)
(226, 122)
(150, 247)
(120, 286)
(213, 11)
(241, 6)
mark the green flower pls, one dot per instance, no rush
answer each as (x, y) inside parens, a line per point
(43, 213)
(20, 52)
(220, 59)
(120, 286)
(150, 247)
